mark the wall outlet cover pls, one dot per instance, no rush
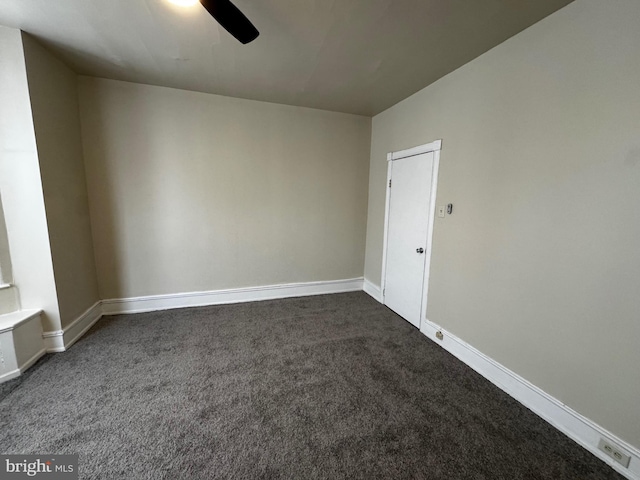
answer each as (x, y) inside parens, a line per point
(615, 452)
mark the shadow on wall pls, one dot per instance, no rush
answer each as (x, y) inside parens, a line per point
(6, 276)
(100, 184)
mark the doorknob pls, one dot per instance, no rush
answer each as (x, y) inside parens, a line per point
(420, 250)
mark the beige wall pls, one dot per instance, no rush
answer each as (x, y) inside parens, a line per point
(21, 186)
(194, 192)
(539, 265)
(54, 100)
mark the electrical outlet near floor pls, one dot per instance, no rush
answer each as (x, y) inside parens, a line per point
(614, 452)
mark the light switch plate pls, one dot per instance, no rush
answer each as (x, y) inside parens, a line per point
(441, 210)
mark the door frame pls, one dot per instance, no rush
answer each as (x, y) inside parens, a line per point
(434, 147)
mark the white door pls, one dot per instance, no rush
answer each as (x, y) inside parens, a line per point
(408, 226)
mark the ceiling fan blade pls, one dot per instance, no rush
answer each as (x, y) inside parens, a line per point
(232, 19)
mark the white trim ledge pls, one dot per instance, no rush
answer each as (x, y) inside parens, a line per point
(577, 427)
(11, 321)
(236, 295)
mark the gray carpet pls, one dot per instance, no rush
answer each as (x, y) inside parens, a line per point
(333, 386)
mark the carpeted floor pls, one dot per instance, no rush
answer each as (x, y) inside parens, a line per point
(333, 386)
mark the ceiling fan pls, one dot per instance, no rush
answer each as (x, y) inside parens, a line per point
(232, 19)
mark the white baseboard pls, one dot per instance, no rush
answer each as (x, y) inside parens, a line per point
(5, 377)
(59, 340)
(20, 337)
(372, 290)
(84, 322)
(236, 295)
(20, 370)
(54, 341)
(32, 360)
(571, 423)
(577, 427)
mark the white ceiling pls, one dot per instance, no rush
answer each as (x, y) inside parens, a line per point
(355, 56)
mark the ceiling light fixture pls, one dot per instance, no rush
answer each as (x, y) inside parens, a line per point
(227, 15)
(184, 3)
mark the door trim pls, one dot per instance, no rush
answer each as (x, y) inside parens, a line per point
(434, 147)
